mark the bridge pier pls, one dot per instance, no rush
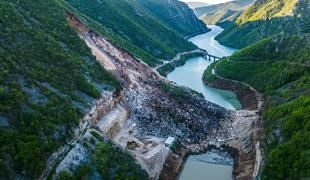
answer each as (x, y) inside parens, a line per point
(211, 57)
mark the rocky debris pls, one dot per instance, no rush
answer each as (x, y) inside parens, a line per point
(158, 109)
(74, 158)
(241, 138)
(100, 108)
(215, 156)
(245, 128)
(113, 121)
(189, 121)
(79, 153)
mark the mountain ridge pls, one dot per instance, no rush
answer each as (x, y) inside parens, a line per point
(262, 20)
(197, 4)
(229, 11)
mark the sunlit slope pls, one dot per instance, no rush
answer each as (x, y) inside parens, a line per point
(229, 11)
(265, 18)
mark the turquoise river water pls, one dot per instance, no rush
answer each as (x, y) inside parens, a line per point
(212, 165)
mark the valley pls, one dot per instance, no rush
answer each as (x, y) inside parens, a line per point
(144, 89)
(140, 120)
(190, 75)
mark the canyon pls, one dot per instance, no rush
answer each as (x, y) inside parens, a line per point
(144, 89)
(150, 109)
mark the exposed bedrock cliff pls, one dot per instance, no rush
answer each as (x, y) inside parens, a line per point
(152, 109)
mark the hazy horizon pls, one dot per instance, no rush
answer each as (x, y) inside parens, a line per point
(207, 1)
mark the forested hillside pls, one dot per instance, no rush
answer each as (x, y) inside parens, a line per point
(177, 15)
(49, 79)
(45, 70)
(279, 67)
(229, 11)
(138, 28)
(266, 18)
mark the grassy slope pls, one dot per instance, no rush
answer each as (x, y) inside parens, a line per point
(266, 18)
(279, 67)
(133, 27)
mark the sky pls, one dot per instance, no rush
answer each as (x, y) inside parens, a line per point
(207, 1)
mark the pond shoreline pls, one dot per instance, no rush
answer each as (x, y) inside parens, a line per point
(176, 160)
(179, 60)
(251, 100)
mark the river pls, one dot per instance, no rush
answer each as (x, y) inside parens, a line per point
(213, 165)
(191, 73)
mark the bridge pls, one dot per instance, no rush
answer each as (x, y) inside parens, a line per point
(210, 57)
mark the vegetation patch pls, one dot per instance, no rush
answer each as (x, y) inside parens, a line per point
(168, 68)
(278, 67)
(108, 162)
(265, 19)
(133, 27)
(44, 65)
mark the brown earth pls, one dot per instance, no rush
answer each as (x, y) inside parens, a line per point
(245, 95)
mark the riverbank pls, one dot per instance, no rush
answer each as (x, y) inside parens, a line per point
(238, 126)
(252, 102)
(246, 95)
(179, 60)
(175, 162)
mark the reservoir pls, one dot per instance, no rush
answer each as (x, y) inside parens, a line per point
(190, 75)
(213, 165)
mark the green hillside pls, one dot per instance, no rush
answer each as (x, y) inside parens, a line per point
(177, 15)
(45, 69)
(266, 18)
(221, 16)
(279, 67)
(49, 78)
(136, 28)
(214, 14)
